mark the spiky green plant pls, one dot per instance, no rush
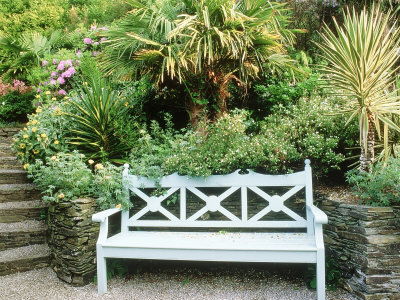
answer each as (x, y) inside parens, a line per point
(93, 128)
(362, 58)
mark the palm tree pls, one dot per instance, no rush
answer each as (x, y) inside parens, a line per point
(26, 51)
(204, 45)
(361, 66)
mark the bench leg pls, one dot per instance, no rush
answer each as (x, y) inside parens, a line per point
(101, 272)
(321, 274)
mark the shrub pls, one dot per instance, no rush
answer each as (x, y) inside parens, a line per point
(381, 187)
(43, 135)
(311, 127)
(64, 175)
(15, 106)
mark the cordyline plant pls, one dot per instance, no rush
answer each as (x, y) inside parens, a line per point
(361, 66)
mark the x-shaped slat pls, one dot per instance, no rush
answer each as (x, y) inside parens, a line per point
(149, 200)
(220, 198)
(282, 198)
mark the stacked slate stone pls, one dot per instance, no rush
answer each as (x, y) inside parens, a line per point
(73, 238)
(365, 241)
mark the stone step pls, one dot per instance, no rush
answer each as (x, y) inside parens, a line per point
(24, 259)
(19, 192)
(13, 176)
(14, 235)
(9, 162)
(10, 131)
(11, 212)
(6, 140)
(5, 150)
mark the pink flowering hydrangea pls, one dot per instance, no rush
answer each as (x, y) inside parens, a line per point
(53, 82)
(87, 41)
(67, 74)
(62, 92)
(103, 39)
(44, 63)
(53, 74)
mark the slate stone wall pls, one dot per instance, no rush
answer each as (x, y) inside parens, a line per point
(365, 241)
(73, 238)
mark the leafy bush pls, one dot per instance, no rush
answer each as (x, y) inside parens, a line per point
(313, 129)
(15, 106)
(43, 135)
(108, 186)
(381, 187)
(64, 175)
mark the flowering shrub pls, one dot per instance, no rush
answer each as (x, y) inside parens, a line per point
(63, 175)
(16, 86)
(43, 135)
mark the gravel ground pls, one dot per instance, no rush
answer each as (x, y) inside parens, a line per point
(168, 283)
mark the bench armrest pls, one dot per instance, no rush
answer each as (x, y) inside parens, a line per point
(101, 216)
(319, 216)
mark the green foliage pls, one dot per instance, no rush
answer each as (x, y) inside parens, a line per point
(114, 267)
(224, 148)
(15, 106)
(381, 187)
(64, 175)
(332, 275)
(108, 186)
(92, 129)
(313, 130)
(43, 135)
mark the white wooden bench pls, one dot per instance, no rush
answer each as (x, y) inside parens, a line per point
(290, 246)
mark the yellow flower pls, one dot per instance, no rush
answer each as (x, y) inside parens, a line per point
(29, 123)
(20, 154)
(54, 98)
(48, 93)
(66, 98)
(39, 110)
(126, 104)
(37, 96)
(118, 206)
(53, 157)
(25, 129)
(25, 136)
(34, 122)
(22, 146)
(60, 196)
(56, 142)
(35, 151)
(34, 129)
(43, 135)
(99, 166)
(26, 166)
(90, 161)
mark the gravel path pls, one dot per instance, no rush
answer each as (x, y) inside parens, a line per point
(167, 283)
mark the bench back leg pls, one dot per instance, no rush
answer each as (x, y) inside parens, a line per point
(320, 274)
(101, 272)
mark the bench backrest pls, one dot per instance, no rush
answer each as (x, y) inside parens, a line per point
(212, 203)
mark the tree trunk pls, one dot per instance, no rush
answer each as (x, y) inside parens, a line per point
(368, 154)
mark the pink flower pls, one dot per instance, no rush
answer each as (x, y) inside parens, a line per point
(95, 53)
(62, 92)
(45, 83)
(53, 82)
(54, 61)
(96, 43)
(44, 63)
(103, 39)
(93, 28)
(79, 53)
(87, 41)
(53, 74)
(61, 65)
(60, 80)
(68, 62)
(39, 90)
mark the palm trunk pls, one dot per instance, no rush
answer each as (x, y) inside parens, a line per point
(367, 155)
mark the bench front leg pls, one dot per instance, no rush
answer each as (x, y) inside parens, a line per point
(102, 217)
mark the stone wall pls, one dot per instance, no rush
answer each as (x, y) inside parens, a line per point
(365, 241)
(72, 240)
